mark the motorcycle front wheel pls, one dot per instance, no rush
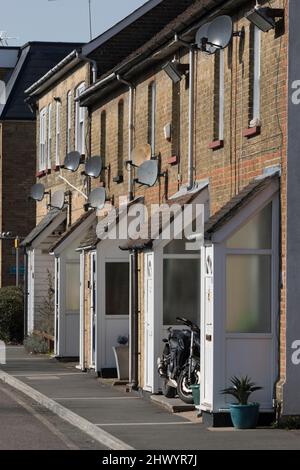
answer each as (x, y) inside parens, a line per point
(183, 385)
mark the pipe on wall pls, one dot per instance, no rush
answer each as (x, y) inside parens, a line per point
(191, 109)
(80, 56)
(130, 132)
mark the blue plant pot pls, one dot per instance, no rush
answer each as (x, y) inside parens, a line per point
(244, 416)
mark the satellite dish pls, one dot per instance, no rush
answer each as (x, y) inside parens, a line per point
(72, 161)
(220, 32)
(58, 199)
(37, 192)
(93, 167)
(147, 173)
(97, 198)
(141, 153)
(202, 38)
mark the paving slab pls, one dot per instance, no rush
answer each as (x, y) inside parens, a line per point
(137, 422)
(174, 405)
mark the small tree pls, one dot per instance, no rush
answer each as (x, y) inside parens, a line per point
(47, 309)
(11, 314)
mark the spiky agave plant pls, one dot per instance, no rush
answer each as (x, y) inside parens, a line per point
(241, 389)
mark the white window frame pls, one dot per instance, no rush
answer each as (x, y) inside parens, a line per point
(57, 133)
(80, 122)
(43, 142)
(256, 72)
(49, 137)
(221, 93)
(69, 120)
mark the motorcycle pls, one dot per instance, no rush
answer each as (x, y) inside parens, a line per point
(179, 365)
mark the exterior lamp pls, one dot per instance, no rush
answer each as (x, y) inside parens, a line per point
(175, 70)
(264, 17)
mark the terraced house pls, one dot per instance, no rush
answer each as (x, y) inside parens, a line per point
(64, 127)
(19, 68)
(215, 115)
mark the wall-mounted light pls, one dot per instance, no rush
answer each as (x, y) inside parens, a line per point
(264, 17)
(175, 70)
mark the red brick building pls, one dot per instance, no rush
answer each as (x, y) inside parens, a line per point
(19, 67)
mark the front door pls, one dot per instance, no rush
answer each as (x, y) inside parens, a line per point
(149, 324)
(30, 299)
(93, 313)
(57, 305)
(207, 327)
(72, 309)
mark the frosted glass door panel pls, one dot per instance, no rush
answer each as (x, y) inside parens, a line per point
(248, 294)
(72, 287)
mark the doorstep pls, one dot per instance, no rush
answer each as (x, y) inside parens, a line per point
(174, 405)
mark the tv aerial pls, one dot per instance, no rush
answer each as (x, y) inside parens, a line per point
(97, 198)
(216, 35)
(58, 200)
(72, 161)
(93, 167)
(4, 38)
(201, 40)
(147, 173)
(147, 170)
(37, 192)
(141, 153)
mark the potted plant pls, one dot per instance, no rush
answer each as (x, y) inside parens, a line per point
(121, 353)
(244, 415)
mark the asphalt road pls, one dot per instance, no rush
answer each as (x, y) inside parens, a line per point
(25, 425)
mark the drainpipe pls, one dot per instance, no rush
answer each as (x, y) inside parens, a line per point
(134, 322)
(130, 132)
(191, 109)
(83, 57)
(80, 56)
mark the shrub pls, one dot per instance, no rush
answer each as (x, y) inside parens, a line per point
(35, 345)
(11, 314)
(46, 311)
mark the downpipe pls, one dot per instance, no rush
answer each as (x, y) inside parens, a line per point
(191, 109)
(130, 132)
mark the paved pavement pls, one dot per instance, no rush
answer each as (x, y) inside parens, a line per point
(132, 419)
(28, 426)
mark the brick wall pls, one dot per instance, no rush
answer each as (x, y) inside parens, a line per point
(52, 180)
(17, 177)
(241, 159)
(229, 168)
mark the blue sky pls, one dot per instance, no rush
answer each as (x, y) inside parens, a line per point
(60, 20)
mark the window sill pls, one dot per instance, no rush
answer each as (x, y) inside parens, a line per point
(40, 174)
(216, 144)
(174, 160)
(252, 132)
(56, 167)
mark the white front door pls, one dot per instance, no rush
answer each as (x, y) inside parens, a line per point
(149, 324)
(93, 313)
(57, 306)
(207, 327)
(72, 309)
(30, 287)
(82, 312)
(112, 302)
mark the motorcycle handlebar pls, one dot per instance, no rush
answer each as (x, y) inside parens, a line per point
(187, 322)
